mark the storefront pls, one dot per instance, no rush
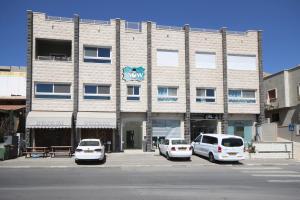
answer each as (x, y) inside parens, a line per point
(205, 123)
(98, 125)
(50, 128)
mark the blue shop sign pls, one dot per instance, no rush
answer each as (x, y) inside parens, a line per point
(133, 73)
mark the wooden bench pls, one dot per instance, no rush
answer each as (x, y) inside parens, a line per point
(60, 150)
(43, 151)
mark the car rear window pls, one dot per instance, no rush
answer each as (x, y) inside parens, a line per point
(89, 143)
(232, 142)
(179, 142)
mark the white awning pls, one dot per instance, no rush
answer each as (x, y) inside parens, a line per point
(37, 119)
(96, 120)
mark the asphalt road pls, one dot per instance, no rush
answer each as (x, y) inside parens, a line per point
(177, 182)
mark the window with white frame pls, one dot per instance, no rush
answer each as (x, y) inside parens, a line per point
(96, 91)
(133, 92)
(167, 58)
(53, 90)
(272, 95)
(205, 60)
(241, 96)
(241, 62)
(97, 54)
(167, 94)
(205, 95)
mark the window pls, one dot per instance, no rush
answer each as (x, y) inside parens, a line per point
(97, 91)
(205, 60)
(167, 58)
(272, 95)
(166, 142)
(232, 142)
(97, 55)
(241, 96)
(209, 140)
(179, 142)
(53, 90)
(133, 92)
(241, 62)
(198, 139)
(205, 95)
(168, 94)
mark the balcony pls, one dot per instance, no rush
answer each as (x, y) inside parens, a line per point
(53, 50)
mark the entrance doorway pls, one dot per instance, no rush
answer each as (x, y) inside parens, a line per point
(132, 135)
(203, 126)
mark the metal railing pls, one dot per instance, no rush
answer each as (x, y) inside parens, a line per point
(55, 18)
(236, 32)
(91, 21)
(176, 28)
(204, 30)
(54, 58)
(133, 26)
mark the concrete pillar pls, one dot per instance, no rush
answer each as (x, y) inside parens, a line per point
(219, 127)
(118, 85)
(225, 81)
(261, 117)
(33, 137)
(29, 55)
(187, 117)
(149, 87)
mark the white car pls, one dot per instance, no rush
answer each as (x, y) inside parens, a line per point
(175, 148)
(219, 147)
(90, 150)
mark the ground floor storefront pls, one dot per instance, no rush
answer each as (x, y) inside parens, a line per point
(63, 129)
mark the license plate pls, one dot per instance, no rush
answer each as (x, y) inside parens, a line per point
(182, 148)
(232, 153)
(88, 151)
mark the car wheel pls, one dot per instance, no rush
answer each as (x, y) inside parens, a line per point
(77, 162)
(168, 157)
(211, 158)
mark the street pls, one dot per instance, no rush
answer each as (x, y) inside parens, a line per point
(179, 181)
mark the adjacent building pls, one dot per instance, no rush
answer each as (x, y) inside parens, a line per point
(12, 100)
(134, 83)
(283, 99)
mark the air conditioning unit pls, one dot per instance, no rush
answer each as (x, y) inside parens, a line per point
(297, 129)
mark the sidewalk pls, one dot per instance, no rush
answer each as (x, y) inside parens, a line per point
(132, 159)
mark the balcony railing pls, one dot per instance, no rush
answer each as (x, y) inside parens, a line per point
(90, 21)
(205, 30)
(55, 18)
(133, 26)
(236, 33)
(54, 58)
(176, 28)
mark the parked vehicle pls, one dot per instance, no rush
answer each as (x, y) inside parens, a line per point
(219, 147)
(90, 150)
(175, 148)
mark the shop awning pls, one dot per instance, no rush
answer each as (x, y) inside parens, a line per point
(37, 119)
(11, 107)
(96, 120)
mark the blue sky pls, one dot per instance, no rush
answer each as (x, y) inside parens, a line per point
(279, 20)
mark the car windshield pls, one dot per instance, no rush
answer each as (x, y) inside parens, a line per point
(179, 142)
(89, 143)
(232, 142)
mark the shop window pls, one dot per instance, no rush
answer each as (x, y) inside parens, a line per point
(241, 96)
(205, 60)
(53, 90)
(133, 92)
(167, 94)
(272, 95)
(92, 91)
(167, 58)
(206, 95)
(275, 117)
(97, 55)
(241, 62)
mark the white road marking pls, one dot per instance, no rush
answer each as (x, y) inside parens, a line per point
(276, 175)
(258, 168)
(284, 181)
(272, 172)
